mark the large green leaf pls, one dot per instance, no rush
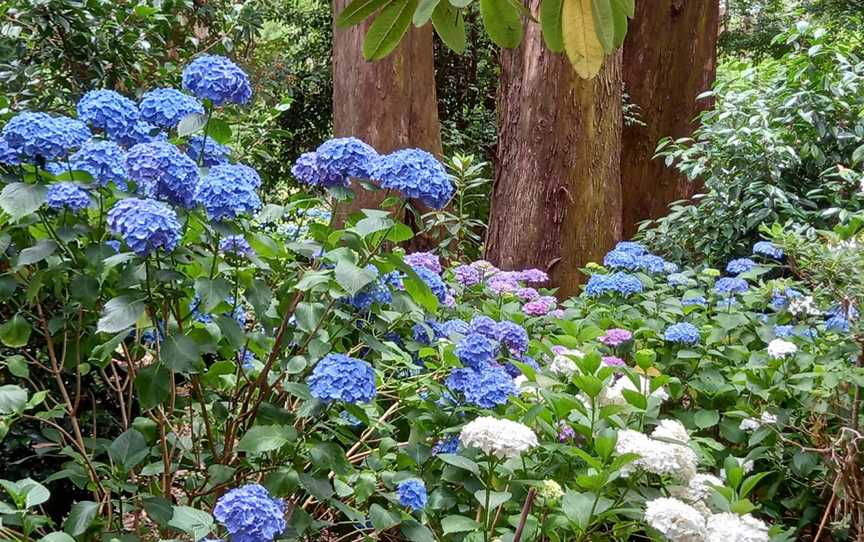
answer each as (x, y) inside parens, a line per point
(21, 199)
(182, 354)
(212, 292)
(15, 332)
(12, 399)
(36, 253)
(619, 15)
(424, 11)
(128, 449)
(266, 438)
(120, 313)
(581, 42)
(450, 26)
(381, 518)
(357, 11)
(502, 21)
(154, 385)
(550, 23)
(196, 523)
(57, 537)
(387, 29)
(352, 278)
(458, 524)
(80, 517)
(604, 23)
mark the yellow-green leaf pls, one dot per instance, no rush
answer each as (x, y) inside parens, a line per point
(502, 22)
(450, 26)
(581, 43)
(550, 23)
(604, 23)
(387, 29)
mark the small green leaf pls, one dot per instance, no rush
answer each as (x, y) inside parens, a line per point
(352, 278)
(416, 532)
(191, 123)
(12, 399)
(266, 438)
(17, 365)
(211, 292)
(181, 354)
(196, 523)
(36, 253)
(496, 498)
(80, 517)
(577, 507)
(120, 313)
(706, 418)
(219, 130)
(387, 29)
(15, 333)
(128, 449)
(461, 462)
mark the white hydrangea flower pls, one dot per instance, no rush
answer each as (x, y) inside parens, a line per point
(655, 456)
(613, 394)
(778, 348)
(698, 490)
(551, 491)
(767, 418)
(727, 527)
(526, 387)
(561, 364)
(501, 438)
(678, 521)
(749, 424)
(803, 305)
(671, 430)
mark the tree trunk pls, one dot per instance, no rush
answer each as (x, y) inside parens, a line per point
(390, 104)
(670, 58)
(556, 201)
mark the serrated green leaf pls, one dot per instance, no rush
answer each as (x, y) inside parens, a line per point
(120, 313)
(21, 199)
(266, 438)
(80, 517)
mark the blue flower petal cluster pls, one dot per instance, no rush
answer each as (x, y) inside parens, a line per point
(105, 161)
(682, 333)
(839, 319)
(67, 196)
(236, 245)
(376, 291)
(113, 243)
(144, 225)
(415, 174)
(340, 159)
(337, 377)
(166, 107)
(446, 446)
(241, 173)
(769, 249)
(428, 333)
(214, 154)
(454, 327)
(490, 387)
(215, 78)
(250, 514)
(731, 285)
(678, 279)
(630, 247)
(621, 283)
(459, 379)
(56, 168)
(652, 264)
(783, 331)
(141, 132)
(433, 281)
(514, 371)
(780, 298)
(40, 135)
(740, 265)
(513, 336)
(163, 172)
(485, 326)
(412, 494)
(8, 155)
(109, 111)
(305, 170)
(223, 197)
(475, 350)
(617, 259)
(696, 300)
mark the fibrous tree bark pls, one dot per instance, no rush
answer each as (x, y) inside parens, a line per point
(669, 59)
(390, 104)
(556, 201)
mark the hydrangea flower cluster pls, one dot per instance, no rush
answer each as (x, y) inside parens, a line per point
(376, 292)
(163, 172)
(476, 351)
(42, 136)
(141, 132)
(731, 285)
(620, 283)
(415, 174)
(103, 160)
(412, 494)
(484, 325)
(768, 249)
(741, 265)
(467, 275)
(650, 263)
(694, 300)
(207, 151)
(673, 459)
(236, 245)
(502, 438)
(488, 386)
(250, 514)
(224, 196)
(779, 348)
(337, 377)
(540, 306)
(67, 196)
(166, 107)
(682, 333)
(513, 336)
(109, 111)
(433, 281)
(615, 337)
(144, 225)
(424, 259)
(215, 78)
(616, 259)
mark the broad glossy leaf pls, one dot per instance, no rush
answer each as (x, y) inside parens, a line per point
(450, 26)
(120, 313)
(357, 11)
(387, 29)
(21, 199)
(604, 23)
(502, 21)
(581, 43)
(550, 23)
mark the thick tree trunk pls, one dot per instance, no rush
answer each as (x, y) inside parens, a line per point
(556, 201)
(390, 104)
(669, 58)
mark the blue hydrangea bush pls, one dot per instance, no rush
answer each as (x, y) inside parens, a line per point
(196, 362)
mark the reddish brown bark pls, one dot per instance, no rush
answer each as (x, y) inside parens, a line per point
(390, 104)
(669, 58)
(556, 201)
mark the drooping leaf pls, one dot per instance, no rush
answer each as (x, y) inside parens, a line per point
(604, 23)
(425, 8)
(619, 17)
(581, 43)
(120, 313)
(352, 278)
(450, 26)
(181, 354)
(357, 11)
(387, 29)
(550, 24)
(15, 332)
(21, 199)
(12, 399)
(502, 22)
(128, 449)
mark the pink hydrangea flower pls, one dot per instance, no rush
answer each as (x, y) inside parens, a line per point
(540, 306)
(424, 259)
(533, 276)
(527, 294)
(614, 361)
(615, 337)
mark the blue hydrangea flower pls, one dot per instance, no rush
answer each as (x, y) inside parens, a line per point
(223, 197)
(166, 107)
(780, 298)
(513, 336)
(446, 446)
(337, 377)
(305, 170)
(426, 334)
(491, 387)
(412, 494)
(769, 249)
(620, 260)
(56, 168)
(250, 514)
(741, 265)
(215, 78)
(670, 267)
(103, 160)
(485, 326)
(113, 243)
(338, 160)
(163, 172)
(783, 331)
(247, 360)
(141, 132)
(677, 279)
(630, 247)
(415, 174)
(622, 283)
(651, 263)
(39, 135)
(67, 196)
(214, 154)
(454, 327)
(727, 303)
(236, 245)
(144, 225)
(459, 379)
(475, 350)
(109, 111)
(433, 281)
(8, 155)
(731, 285)
(241, 173)
(839, 319)
(376, 291)
(682, 333)
(696, 300)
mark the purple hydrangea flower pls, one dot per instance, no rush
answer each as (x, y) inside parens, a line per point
(615, 337)
(8, 155)
(305, 170)
(540, 306)
(613, 361)
(424, 259)
(566, 433)
(527, 294)
(513, 336)
(533, 276)
(341, 159)
(485, 326)
(502, 284)
(467, 275)
(490, 387)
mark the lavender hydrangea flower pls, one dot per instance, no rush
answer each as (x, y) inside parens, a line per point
(682, 333)
(163, 172)
(502, 284)
(337, 377)
(615, 337)
(513, 336)
(467, 275)
(236, 245)
(37, 136)
(109, 111)
(416, 174)
(223, 197)
(741, 265)
(540, 306)
(424, 259)
(527, 294)
(566, 433)
(475, 350)
(144, 225)
(613, 361)
(621, 283)
(533, 276)
(768, 249)
(250, 514)
(215, 78)
(412, 494)
(67, 196)
(207, 152)
(103, 160)
(166, 107)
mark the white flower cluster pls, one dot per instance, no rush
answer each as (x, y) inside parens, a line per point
(697, 492)
(779, 349)
(751, 424)
(502, 438)
(613, 394)
(562, 365)
(659, 457)
(680, 522)
(803, 306)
